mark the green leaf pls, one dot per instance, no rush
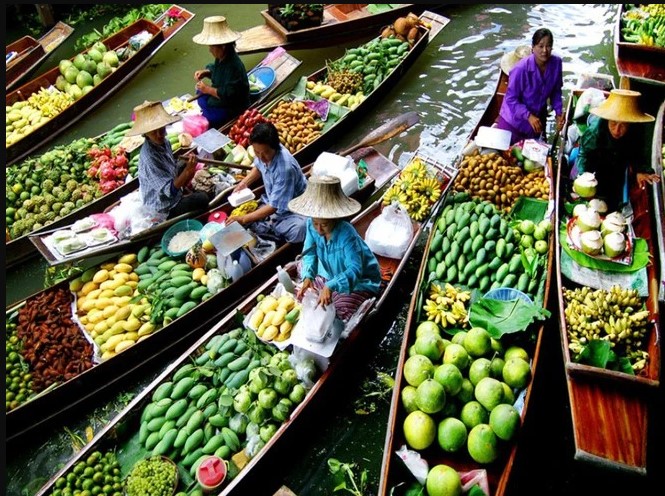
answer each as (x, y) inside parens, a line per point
(505, 317)
(476, 491)
(625, 366)
(599, 353)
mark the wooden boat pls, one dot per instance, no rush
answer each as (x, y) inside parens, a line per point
(659, 191)
(636, 60)
(123, 430)
(19, 249)
(395, 477)
(42, 410)
(610, 409)
(340, 22)
(340, 117)
(28, 53)
(160, 32)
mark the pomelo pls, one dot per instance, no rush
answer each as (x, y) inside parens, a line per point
(479, 369)
(482, 444)
(473, 413)
(496, 367)
(95, 54)
(488, 392)
(430, 396)
(408, 396)
(451, 434)
(431, 345)
(111, 58)
(457, 355)
(466, 391)
(417, 368)
(516, 352)
(83, 79)
(516, 373)
(477, 342)
(419, 430)
(505, 421)
(508, 395)
(458, 338)
(450, 377)
(427, 326)
(443, 480)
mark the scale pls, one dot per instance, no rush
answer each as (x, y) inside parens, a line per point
(211, 141)
(230, 238)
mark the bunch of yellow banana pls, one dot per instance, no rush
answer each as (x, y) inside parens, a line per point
(245, 208)
(416, 188)
(445, 305)
(50, 102)
(349, 100)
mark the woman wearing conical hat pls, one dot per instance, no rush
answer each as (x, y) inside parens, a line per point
(336, 261)
(162, 180)
(535, 79)
(605, 147)
(227, 93)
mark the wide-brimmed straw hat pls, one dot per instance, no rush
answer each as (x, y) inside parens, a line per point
(622, 106)
(509, 59)
(324, 199)
(216, 31)
(150, 116)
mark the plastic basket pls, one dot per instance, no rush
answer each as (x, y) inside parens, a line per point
(266, 76)
(507, 294)
(183, 225)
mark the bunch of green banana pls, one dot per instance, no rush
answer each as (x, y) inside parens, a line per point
(445, 305)
(645, 25)
(617, 316)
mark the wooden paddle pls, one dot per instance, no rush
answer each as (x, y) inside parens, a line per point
(223, 164)
(386, 131)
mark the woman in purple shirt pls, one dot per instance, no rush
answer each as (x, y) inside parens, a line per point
(533, 82)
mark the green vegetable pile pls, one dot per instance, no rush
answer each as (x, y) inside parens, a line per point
(152, 476)
(99, 474)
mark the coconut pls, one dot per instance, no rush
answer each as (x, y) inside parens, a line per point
(614, 244)
(401, 26)
(579, 209)
(598, 205)
(589, 220)
(592, 242)
(412, 35)
(614, 222)
(585, 185)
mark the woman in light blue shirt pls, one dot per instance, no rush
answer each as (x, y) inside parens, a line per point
(336, 261)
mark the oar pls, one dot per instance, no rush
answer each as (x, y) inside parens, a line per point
(386, 131)
(223, 164)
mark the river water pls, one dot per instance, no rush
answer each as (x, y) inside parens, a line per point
(449, 86)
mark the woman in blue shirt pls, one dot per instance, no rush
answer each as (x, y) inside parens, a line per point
(227, 95)
(336, 261)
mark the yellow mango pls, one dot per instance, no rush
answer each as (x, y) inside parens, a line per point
(88, 286)
(146, 329)
(285, 327)
(88, 304)
(268, 303)
(94, 294)
(107, 266)
(123, 313)
(103, 302)
(270, 315)
(106, 293)
(270, 333)
(123, 345)
(132, 324)
(121, 276)
(110, 284)
(123, 267)
(198, 273)
(76, 284)
(100, 327)
(94, 317)
(109, 310)
(100, 276)
(256, 318)
(128, 258)
(278, 317)
(133, 277)
(123, 290)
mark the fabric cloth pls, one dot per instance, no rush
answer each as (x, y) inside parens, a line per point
(528, 93)
(345, 304)
(229, 78)
(346, 262)
(157, 171)
(608, 158)
(198, 200)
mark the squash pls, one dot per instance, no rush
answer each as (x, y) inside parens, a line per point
(196, 256)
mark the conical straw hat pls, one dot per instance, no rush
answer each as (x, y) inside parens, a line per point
(509, 59)
(622, 106)
(150, 116)
(324, 199)
(216, 31)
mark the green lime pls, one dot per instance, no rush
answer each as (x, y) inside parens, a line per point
(451, 434)
(482, 444)
(505, 421)
(443, 480)
(419, 430)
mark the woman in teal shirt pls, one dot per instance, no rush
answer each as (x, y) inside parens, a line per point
(227, 95)
(336, 261)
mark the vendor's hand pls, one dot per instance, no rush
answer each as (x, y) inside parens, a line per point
(240, 219)
(643, 179)
(325, 297)
(535, 123)
(560, 121)
(202, 87)
(198, 75)
(239, 187)
(306, 284)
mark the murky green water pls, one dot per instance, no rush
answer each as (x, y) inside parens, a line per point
(448, 86)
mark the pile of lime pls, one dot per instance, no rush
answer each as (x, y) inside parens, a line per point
(18, 379)
(98, 474)
(460, 392)
(154, 476)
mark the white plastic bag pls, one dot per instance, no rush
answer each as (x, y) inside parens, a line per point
(319, 320)
(390, 233)
(590, 98)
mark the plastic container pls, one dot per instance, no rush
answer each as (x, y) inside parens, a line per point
(507, 294)
(285, 279)
(234, 270)
(265, 76)
(211, 473)
(195, 124)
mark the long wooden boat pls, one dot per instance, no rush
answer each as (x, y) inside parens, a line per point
(160, 32)
(610, 409)
(339, 22)
(634, 59)
(45, 408)
(659, 191)
(339, 117)
(123, 430)
(28, 53)
(395, 477)
(19, 249)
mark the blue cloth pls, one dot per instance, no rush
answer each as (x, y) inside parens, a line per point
(157, 171)
(528, 93)
(283, 179)
(345, 261)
